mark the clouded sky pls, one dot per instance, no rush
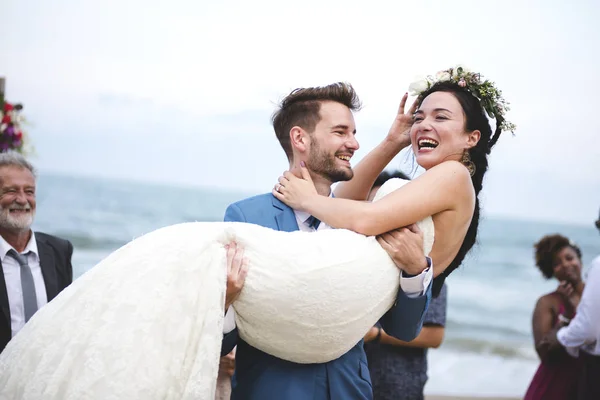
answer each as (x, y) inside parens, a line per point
(182, 91)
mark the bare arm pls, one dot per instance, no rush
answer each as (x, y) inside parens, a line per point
(366, 172)
(429, 337)
(439, 189)
(543, 315)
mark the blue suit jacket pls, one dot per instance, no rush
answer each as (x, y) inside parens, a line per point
(260, 376)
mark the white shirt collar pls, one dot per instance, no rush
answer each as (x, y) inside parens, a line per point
(5, 247)
(303, 215)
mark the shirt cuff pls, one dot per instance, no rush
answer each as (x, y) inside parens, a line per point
(562, 338)
(417, 285)
(229, 321)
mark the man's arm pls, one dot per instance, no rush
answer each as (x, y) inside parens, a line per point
(230, 332)
(585, 327)
(405, 319)
(405, 246)
(432, 334)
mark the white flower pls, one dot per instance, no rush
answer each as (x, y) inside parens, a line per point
(418, 86)
(442, 76)
(465, 70)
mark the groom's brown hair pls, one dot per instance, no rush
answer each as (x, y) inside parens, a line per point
(301, 108)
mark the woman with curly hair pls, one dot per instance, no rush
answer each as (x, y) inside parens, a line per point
(557, 376)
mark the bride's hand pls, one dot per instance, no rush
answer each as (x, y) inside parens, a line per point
(294, 191)
(400, 130)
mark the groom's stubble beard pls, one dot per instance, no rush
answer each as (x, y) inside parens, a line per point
(322, 163)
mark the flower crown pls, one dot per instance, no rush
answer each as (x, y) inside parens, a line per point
(484, 90)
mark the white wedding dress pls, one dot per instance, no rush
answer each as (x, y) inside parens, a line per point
(146, 322)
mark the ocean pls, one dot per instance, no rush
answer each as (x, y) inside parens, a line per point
(488, 347)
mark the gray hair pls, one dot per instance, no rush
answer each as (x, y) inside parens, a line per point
(14, 159)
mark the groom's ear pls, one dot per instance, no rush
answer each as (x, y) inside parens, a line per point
(299, 139)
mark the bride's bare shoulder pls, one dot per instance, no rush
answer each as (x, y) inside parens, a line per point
(449, 173)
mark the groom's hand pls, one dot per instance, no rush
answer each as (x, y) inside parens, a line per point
(237, 269)
(227, 364)
(405, 247)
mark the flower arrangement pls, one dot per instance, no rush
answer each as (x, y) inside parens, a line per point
(489, 96)
(12, 135)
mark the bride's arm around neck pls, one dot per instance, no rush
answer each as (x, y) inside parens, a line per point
(445, 187)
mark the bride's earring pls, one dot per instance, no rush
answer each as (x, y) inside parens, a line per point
(466, 160)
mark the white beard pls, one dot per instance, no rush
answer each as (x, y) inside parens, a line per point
(21, 223)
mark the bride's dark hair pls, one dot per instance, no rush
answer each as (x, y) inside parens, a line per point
(475, 119)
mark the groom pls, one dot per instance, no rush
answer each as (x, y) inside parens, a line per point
(316, 126)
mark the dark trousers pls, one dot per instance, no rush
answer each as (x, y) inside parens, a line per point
(589, 383)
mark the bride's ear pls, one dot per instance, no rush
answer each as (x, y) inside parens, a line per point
(473, 138)
(299, 139)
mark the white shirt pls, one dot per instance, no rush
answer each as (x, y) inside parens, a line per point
(583, 332)
(412, 287)
(12, 277)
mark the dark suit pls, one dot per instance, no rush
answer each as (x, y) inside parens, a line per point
(260, 376)
(55, 262)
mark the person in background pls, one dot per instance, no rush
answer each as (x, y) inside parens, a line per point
(557, 376)
(34, 268)
(581, 337)
(398, 368)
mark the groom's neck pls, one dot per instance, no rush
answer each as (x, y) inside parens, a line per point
(323, 185)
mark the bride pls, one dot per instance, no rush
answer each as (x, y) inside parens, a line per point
(146, 322)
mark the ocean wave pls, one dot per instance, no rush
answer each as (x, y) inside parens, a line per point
(84, 241)
(503, 349)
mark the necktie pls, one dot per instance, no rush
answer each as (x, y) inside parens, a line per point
(313, 222)
(27, 285)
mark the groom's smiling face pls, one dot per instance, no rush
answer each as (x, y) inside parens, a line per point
(333, 143)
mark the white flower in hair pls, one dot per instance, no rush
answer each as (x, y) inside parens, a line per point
(484, 90)
(443, 76)
(418, 86)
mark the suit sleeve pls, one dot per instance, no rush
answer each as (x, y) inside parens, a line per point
(232, 214)
(405, 319)
(68, 264)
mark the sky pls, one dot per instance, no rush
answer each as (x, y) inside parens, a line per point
(181, 92)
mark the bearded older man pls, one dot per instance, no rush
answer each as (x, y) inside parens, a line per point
(34, 267)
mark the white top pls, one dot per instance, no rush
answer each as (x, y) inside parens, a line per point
(584, 330)
(12, 277)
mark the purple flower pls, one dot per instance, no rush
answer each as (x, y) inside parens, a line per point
(10, 130)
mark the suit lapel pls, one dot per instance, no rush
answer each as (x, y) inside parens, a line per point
(284, 216)
(48, 268)
(4, 306)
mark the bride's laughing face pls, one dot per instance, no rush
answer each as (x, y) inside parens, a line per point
(438, 133)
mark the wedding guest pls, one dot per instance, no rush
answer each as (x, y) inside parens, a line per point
(34, 267)
(558, 374)
(581, 336)
(398, 368)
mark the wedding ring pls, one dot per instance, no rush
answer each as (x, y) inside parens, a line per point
(278, 187)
